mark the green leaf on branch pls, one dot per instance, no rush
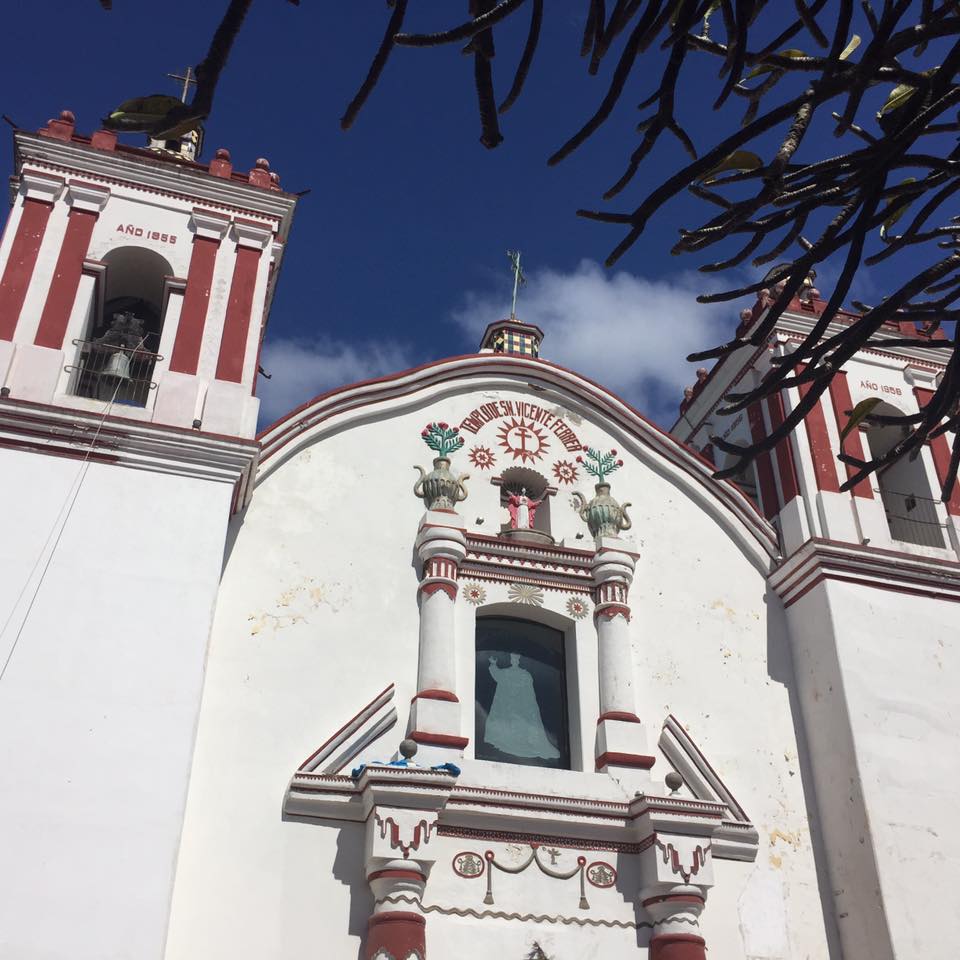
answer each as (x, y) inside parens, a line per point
(850, 47)
(898, 97)
(858, 414)
(738, 160)
(141, 113)
(898, 213)
(769, 67)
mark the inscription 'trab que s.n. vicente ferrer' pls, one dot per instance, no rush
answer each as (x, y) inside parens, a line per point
(526, 413)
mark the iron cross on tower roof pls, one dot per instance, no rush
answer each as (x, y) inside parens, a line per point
(187, 79)
(518, 280)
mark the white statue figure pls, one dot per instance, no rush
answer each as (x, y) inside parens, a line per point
(522, 509)
(514, 724)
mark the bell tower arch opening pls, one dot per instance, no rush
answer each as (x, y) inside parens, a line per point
(120, 347)
(905, 490)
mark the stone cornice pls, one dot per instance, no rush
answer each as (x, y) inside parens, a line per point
(489, 812)
(789, 326)
(558, 568)
(819, 560)
(157, 175)
(58, 432)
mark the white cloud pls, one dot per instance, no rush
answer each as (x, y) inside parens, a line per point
(630, 334)
(301, 369)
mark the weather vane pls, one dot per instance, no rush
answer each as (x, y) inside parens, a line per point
(518, 280)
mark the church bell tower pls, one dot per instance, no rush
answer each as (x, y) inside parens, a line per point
(137, 277)
(135, 285)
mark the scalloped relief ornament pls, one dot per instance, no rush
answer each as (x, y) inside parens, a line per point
(577, 607)
(474, 594)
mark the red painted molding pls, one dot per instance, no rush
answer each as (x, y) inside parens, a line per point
(625, 760)
(432, 694)
(786, 468)
(610, 611)
(940, 448)
(20, 263)
(396, 875)
(677, 946)
(193, 316)
(768, 485)
(852, 444)
(439, 739)
(675, 898)
(397, 933)
(824, 468)
(618, 715)
(66, 279)
(236, 325)
(387, 689)
(448, 588)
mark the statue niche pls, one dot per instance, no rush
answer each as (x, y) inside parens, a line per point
(526, 496)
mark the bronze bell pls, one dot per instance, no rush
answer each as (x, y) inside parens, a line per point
(118, 366)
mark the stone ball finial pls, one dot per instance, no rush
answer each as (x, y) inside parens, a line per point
(222, 153)
(814, 293)
(746, 313)
(673, 781)
(67, 116)
(702, 373)
(275, 178)
(688, 393)
(408, 748)
(764, 293)
(262, 163)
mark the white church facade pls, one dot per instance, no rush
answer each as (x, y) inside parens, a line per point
(470, 660)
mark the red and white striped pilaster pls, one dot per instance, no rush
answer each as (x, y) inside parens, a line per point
(238, 348)
(86, 201)
(941, 448)
(28, 224)
(209, 229)
(435, 720)
(621, 739)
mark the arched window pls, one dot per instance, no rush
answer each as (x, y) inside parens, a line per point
(904, 487)
(526, 496)
(521, 693)
(118, 351)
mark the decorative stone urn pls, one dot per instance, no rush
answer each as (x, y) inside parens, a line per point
(440, 489)
(603, 515)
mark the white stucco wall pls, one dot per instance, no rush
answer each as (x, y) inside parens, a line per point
(318, 612)
(99, 700)
(878, 672)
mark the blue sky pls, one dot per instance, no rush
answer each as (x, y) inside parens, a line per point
(397, 255)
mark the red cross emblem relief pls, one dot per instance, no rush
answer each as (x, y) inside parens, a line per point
(524, 439)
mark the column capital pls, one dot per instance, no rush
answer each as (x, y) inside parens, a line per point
(209, 224)
(614, 559)
(441, 534)
(252, 233)
(400, 837)
(37, 185)
(89, 197)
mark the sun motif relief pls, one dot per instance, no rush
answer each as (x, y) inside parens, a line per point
(474, 594)
(525, 593)
(577, 607)
(482, 457)
(524, 439)
(565, 472)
